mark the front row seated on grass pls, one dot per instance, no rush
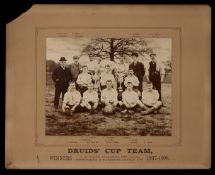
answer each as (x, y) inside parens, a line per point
(130, 100)
(73, 102)
(90, 99)
(150, 98)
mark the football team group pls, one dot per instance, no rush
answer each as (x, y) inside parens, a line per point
(109, 86)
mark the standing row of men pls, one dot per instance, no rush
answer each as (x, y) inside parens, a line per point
(121, 76)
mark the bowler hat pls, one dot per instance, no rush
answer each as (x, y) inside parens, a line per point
(62, 59)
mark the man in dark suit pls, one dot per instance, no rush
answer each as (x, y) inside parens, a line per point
(156, 73)
(75, 68)
(139, 70)
(61, 76)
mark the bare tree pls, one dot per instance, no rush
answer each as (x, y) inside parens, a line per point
(113, 48)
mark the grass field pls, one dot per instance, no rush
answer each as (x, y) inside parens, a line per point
(82, 124)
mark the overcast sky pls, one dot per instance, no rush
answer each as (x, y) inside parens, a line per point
(68, 47)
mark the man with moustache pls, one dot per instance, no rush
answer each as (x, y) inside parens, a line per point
(61, 76)
(155, 73)
(139, 70)
(75, 68)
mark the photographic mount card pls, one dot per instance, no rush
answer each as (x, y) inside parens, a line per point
(39, 136)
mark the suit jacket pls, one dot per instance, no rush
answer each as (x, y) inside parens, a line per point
(61, 76)
(154, 74)
(75, 70)
(139, 70)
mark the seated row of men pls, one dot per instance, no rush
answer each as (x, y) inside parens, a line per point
(85, 78)
(109, 101)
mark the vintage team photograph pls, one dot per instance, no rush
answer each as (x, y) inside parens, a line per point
(108, 86)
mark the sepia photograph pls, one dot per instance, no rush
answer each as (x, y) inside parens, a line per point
(108, 86)
(121, 93)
